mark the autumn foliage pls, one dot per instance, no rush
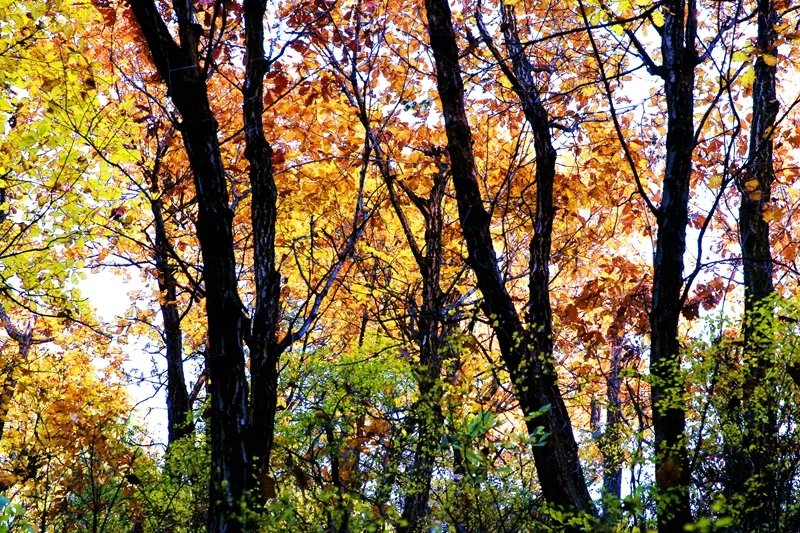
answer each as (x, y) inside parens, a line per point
(395, 265)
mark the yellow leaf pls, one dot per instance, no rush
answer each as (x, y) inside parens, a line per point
(772, 214)
(714, 182)
(658, 18)
(769, 60)
(751, 187)
(741, 56)
(748, 77)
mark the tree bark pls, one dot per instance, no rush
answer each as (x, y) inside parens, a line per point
(264, 350)
(530, 364)
(539, 317)
(752, 472)
(611, 439)
(669, 416)
(179, 422)
(431, 344)
(185, 81)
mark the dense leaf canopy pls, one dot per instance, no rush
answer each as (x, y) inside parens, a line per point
(394, 265)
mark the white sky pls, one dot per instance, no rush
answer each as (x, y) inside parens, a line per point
(108, 294)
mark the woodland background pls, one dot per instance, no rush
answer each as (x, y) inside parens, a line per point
(401, 266)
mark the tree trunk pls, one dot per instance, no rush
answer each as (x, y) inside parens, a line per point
(428, 333)
(530, 365)
(431, 331)
(264, 350)
(179, 422)
(611, 440)
(669, 416)
(752, 471)
(179, 69)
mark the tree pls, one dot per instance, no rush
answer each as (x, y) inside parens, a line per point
(241, 426)
(679, 59)
(529, 362)
(178, 67)
(435, 254)
(754, 474)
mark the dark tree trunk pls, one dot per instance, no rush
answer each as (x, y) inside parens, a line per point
(539, 315)
(751, 465)
(530, 364)
(431, 332)
(264, 350)
(611, 448)
(669, 416)
(179, 422)
(238, 428)
(428, 332)
(179, 69)
(263, 342)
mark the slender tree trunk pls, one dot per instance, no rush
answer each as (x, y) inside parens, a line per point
(539, 312)
(429, 420)
(265, 346)
(179, 422)
(264, 350)
(752, 472)
(428, 412)
(226, 327)
(539, 316)
(611, 447)
(753, 229)
(531, 365)
(179, 69)
(669, 410)
(429, 331)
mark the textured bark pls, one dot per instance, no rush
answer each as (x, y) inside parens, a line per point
(539, 315)
(264, 350)
(179, 423)
(669, 416)
(611, 448)
(752, 472)
(179, 405)
(753, 229)
(178, 68)
(431, 344)
(265, 346)
(530, 364)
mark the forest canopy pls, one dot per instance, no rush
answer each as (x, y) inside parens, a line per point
(398, 265)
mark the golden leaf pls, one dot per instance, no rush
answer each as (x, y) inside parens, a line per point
(769, 60)
(658, 18)
(748, 77)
